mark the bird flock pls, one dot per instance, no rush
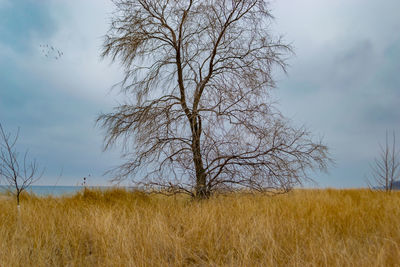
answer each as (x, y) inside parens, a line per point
(51, 52)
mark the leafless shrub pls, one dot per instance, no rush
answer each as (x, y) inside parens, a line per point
(198, 116)
(386, 168)
(17, 172)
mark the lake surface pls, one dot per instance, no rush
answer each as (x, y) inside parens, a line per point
(43, 190)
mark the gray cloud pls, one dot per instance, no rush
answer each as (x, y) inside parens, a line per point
(55, 102)
(343, 81)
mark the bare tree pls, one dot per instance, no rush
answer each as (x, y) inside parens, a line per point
(198, 116)
(386, 168)
(17, 172)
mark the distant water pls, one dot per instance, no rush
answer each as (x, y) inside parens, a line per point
(43, 190)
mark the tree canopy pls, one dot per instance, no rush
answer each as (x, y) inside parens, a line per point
(198, 115)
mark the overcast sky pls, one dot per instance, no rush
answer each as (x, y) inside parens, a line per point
(343, 82)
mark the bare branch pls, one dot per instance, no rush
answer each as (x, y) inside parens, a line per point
(198, 117)
(385, 169)
(17, 173)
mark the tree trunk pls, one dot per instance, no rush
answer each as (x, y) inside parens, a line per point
(201, 190)
(18, 193)
(201, 182)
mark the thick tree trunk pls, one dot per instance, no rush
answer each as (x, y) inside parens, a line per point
(201, 190)
(201, 182)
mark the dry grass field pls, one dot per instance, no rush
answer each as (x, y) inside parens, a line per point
(119, 228)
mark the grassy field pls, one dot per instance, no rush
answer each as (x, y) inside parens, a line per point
(118, 228)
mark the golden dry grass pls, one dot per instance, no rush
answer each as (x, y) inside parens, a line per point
(118, 228)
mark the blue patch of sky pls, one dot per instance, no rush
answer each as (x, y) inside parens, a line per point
(20, 21)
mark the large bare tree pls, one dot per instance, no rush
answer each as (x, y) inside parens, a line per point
(198, 115)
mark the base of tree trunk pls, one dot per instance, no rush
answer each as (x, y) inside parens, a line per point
(202, 192)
